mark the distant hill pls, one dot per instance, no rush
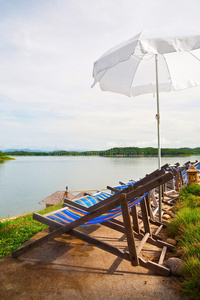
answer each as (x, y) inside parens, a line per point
(25, 150)
(113, 152)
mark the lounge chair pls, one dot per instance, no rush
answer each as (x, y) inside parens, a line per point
(67, 219)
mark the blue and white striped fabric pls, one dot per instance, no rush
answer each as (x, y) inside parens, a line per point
(89, 201)
(198, 168)
(184, 174)
(123, 186)
(68, 214)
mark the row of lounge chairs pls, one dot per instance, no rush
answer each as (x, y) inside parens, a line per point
(136, 201)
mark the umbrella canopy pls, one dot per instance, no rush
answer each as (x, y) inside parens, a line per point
(151, 62)
(129, 68)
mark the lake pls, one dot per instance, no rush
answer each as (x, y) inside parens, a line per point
(26, 181)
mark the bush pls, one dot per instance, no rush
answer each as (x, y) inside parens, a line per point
(186, 226)
(193, 189)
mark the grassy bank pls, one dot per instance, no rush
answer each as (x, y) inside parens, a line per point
(186, 226)
(16, 232)
(4, 157)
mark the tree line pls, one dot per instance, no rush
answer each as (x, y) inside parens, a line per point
(113, 152)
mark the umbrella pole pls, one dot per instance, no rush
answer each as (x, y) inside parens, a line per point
(158, 129)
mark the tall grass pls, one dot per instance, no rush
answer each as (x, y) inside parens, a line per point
(186, 227)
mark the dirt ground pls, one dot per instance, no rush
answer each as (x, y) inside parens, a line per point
(67, 268)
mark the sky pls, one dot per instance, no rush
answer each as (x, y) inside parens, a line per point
(47, 52)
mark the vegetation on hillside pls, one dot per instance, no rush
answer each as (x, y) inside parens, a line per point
(4, 157)
(186, 226)
(114, 152)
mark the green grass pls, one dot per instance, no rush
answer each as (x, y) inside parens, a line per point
(4, 157)
(17, 231)
(191, 272)
(186, 226)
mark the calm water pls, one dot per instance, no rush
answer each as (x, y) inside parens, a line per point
(27, 180)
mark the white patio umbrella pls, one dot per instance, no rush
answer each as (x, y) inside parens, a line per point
(151, 62)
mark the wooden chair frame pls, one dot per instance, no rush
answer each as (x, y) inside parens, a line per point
(119, 199)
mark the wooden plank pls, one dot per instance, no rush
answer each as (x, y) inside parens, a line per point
(112, 189)
(158, 230)
(149, 186)
(71, 203)
(128, 230)
(165, 166)
(155, 174)
(155, 206)
(181, 177)
(119, 226)
(168, 203)
(142, 243)
(122, 183)
(162, 256)
(158, 269)
(174, 172)
(152, 241)
(154, 236)
(177, 183)
(135, 219)
(114, 226)
(155, 212)
(147, 200)
(157, 223)
(145, 217)
(174, 197)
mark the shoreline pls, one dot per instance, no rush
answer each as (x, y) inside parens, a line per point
(13, 218)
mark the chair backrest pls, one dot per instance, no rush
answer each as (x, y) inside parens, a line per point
(89, 201)
(110, 207)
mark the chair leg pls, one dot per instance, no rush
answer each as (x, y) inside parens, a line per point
(129, 230)
(145, 217)
(134, 214)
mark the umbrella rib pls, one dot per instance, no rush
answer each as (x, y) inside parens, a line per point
(108, 68)
(105, 71)
(193, 55)
(143, 57)
(135, 73)
(168, 69)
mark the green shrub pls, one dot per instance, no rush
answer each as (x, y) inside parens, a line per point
(190, 189)
(186, 226)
